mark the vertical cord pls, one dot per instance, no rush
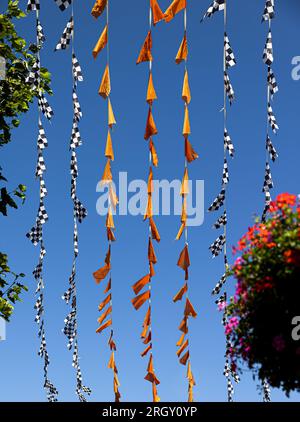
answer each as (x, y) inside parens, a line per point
(225, 126)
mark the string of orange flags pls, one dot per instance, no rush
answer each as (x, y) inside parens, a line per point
(155, 16)
(106, 306)
(36, 233)
(79, 212)
(220, 244)
(271, 153)
(190, 155)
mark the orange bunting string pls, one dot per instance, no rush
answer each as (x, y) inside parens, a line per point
(145, 53)
(99, 8)
(101, 43)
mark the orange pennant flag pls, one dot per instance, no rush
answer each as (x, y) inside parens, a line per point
(148, 338)
(104, 315)
(110, 235)
(104, 302)
(180, 231)
(175, 7)
(107, 176)
(150, 181)
(101, 43)
(154, 155)
(151, 375)
(149, 209)
(151, 94)
(113, 197)
(151, 129)
(154, 232)
(185, 183)
(183, 326)
(155, 396)
(144, 352)
(186, 92)
(185, 358)
(139, 300)
(180, 341)
(183, 51)
(184, 261)
(98, 8)
(157, 13)
(109, 152)
(190, 154)
(105, 86)
(111, 116)
(109, 220)
(189, 309)
(108, 286)
(105, 325)
(186, 124)
(180, 294)
(111, 362)
(140, 284)
(145, 53)
(100, 274)
(182, 348)
(151, 253)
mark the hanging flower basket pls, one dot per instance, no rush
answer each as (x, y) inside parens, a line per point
(267, 297)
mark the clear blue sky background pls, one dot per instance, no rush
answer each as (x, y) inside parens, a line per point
(21, 368)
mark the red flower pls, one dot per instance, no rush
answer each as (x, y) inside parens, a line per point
(292, 256)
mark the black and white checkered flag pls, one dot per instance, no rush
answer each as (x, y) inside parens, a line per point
(266, 391)
(80, 211)
(268, 182)
(225, 176)
(268, 57)
(40, 33)
(228, 143)
(42, 140)
(272, 119)
(33, 77)
(75, 136)
(218, 202)
(35, 234)
(44, 106)
(77, 72)
(269, 10)
(217, 246)
(219, 285)
(271, 149)
(33, 5)
(229, 56)
(63, 4)
(216, 6)
(76, 107)
(228, 88)
(221, 221)
(66, 37)
(272, 82)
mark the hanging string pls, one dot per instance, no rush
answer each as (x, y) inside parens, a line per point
(155, 16)
(220, 244)
(36, 233)
(106, 306)
(271, 153)
(79, 212)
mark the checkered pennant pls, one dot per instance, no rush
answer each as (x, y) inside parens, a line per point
(221, 221)
(218, 202)
(35, 234)
(75, 136)
(76, 107)
(228, 88)
(272, 119)
(267, 206)
(219, 285)
(216, 6)
(45, 107)
(73, 164)
(228, 143)
(73, 187)
(268, 182)
(33, 5)
(37, 272)
(269, 10)
(70, 328)
(42, 214)
(42, 140)
(272, 82)
(75, 239)
(65, 39)
(217, 246)
(77, 72)
(230, 390)
(229, 56)
(33, 78)
(80, 211)
(266, 391)
(271, 149)
(225, 176)
(43, 346)
(63, 4)
(40, 32)
(268, 50)
(43, 189)
(51, 391)
(40, 166)
(39, 308)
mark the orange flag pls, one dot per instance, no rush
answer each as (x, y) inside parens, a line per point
(111, 116)
(157, 13)
(190, 154)
(145, 53)
(144, 352)
(185, 358)
(185, 183)
(105, 314)
(150, 126)
(100, 274)
(107, 176)
(139, 300)
(154, 232)
(180, 294)
(183, 51)
(151, 94)
(186, 124)
(151, 253)
(189, 309)
(154, 155)
(110, 220)
(155, 396)
(105, 86)
(101, 43)
(140, 284)
(104, 302)
(109, 152)
(184, 261)
(182, 348)
(175, 7)
(186, 92)
(183, 326)
(149, 209)
(105, 325)
(98, 8)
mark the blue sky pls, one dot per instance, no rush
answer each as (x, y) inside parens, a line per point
(22, 368)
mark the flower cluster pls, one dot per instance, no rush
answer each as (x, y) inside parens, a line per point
(266, 297)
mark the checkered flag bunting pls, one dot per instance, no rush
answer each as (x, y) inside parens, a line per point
(221, 221)
(272, 119)
(66, 37)
(272, 82)
(268, 57)
(216, 6)
(228, 88)
(269, 11)
(33, 5)
(218, 202)
(63, 4)
(229, 56)
(217, 246)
